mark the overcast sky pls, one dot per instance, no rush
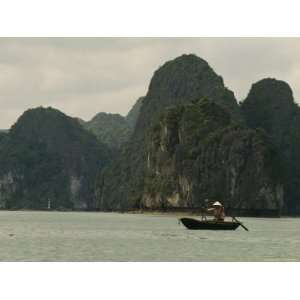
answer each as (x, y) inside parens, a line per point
(83, 76)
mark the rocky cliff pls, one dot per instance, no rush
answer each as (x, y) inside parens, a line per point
(167, 163)
(270, 105)
(196, 152)
(186, 141)
(111, 129)
(134, 113)
(3, 134)
(48, 156)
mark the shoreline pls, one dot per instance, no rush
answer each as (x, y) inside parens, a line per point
(177, 213)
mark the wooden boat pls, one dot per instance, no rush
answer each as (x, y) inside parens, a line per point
(195, 224)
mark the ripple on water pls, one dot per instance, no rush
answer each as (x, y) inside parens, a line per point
(74, 236)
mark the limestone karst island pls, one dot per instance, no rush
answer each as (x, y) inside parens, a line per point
(186, 140)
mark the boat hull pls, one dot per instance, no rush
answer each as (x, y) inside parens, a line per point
(195, 224)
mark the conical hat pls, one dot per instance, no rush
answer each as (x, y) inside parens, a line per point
(217, 203)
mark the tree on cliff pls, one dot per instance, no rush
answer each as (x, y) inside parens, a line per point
(186, 79)
(270, 105)
(49, 156)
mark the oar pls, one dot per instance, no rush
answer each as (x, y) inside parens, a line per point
(235, 219)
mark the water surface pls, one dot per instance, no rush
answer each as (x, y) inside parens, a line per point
(83, 236)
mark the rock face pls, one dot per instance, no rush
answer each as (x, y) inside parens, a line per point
(3, 134)
(133, 114)
(48, 156)
(197, 153)
(182, 80)
(111, 129)
(186, 141)
(114, 130)
(270, 105)
(175, 159)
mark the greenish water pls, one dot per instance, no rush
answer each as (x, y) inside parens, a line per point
(81, 236)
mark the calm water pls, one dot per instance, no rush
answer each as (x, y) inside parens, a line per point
(80, 236)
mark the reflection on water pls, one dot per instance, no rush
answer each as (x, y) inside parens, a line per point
(81, 236)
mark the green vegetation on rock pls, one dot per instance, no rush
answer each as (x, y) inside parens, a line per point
(270, 105)
(114, 130)
(197, 152)
(48, 156)
(181, 81)
(111, 129)
(134, 112)
(185, 141)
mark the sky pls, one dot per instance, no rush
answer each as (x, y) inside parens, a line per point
(84, 76)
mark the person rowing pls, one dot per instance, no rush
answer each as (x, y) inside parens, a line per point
(218, 211)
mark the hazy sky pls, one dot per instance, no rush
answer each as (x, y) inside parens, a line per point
(83, 76)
